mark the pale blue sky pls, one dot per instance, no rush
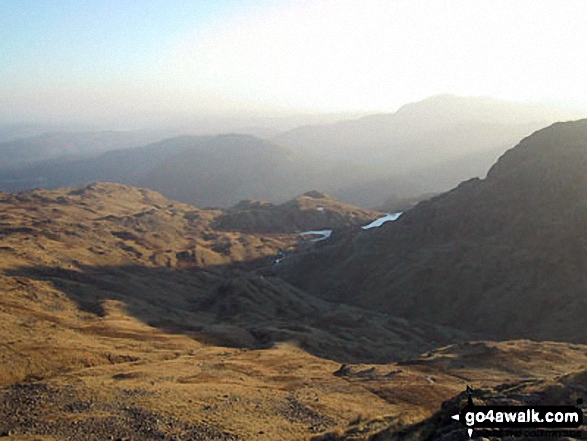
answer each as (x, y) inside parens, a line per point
(80, 40)
(116, 59)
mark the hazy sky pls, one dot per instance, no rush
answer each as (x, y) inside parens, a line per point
(127, 59)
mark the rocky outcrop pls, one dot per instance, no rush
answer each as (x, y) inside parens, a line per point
(311, 211)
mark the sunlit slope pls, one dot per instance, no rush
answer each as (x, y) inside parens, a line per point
(111, 249)
(311, 211)
(126, 314)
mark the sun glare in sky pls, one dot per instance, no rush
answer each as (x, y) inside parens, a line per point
(319, 55)
(343, 54)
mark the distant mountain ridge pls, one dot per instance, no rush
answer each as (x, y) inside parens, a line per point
(425, 147)
(418, 127)
(70, 145)
(205, 171)
(433, 144)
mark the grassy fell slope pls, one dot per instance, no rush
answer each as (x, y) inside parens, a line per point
(125, 315)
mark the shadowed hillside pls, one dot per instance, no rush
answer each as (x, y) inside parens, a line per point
(505, 255)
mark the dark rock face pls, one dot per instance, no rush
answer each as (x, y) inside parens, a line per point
(505, 256)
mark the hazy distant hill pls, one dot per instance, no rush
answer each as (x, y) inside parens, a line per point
(202, 170)
(433, 129)
(225, 169)
(379, 184)
(69, 145)
(11, 132)
(216, 170)
(222, 170)
(125, 166)
(437, 142)
(506, 255)
(425, 147)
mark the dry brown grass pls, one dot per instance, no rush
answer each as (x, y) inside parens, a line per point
(127, 347)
